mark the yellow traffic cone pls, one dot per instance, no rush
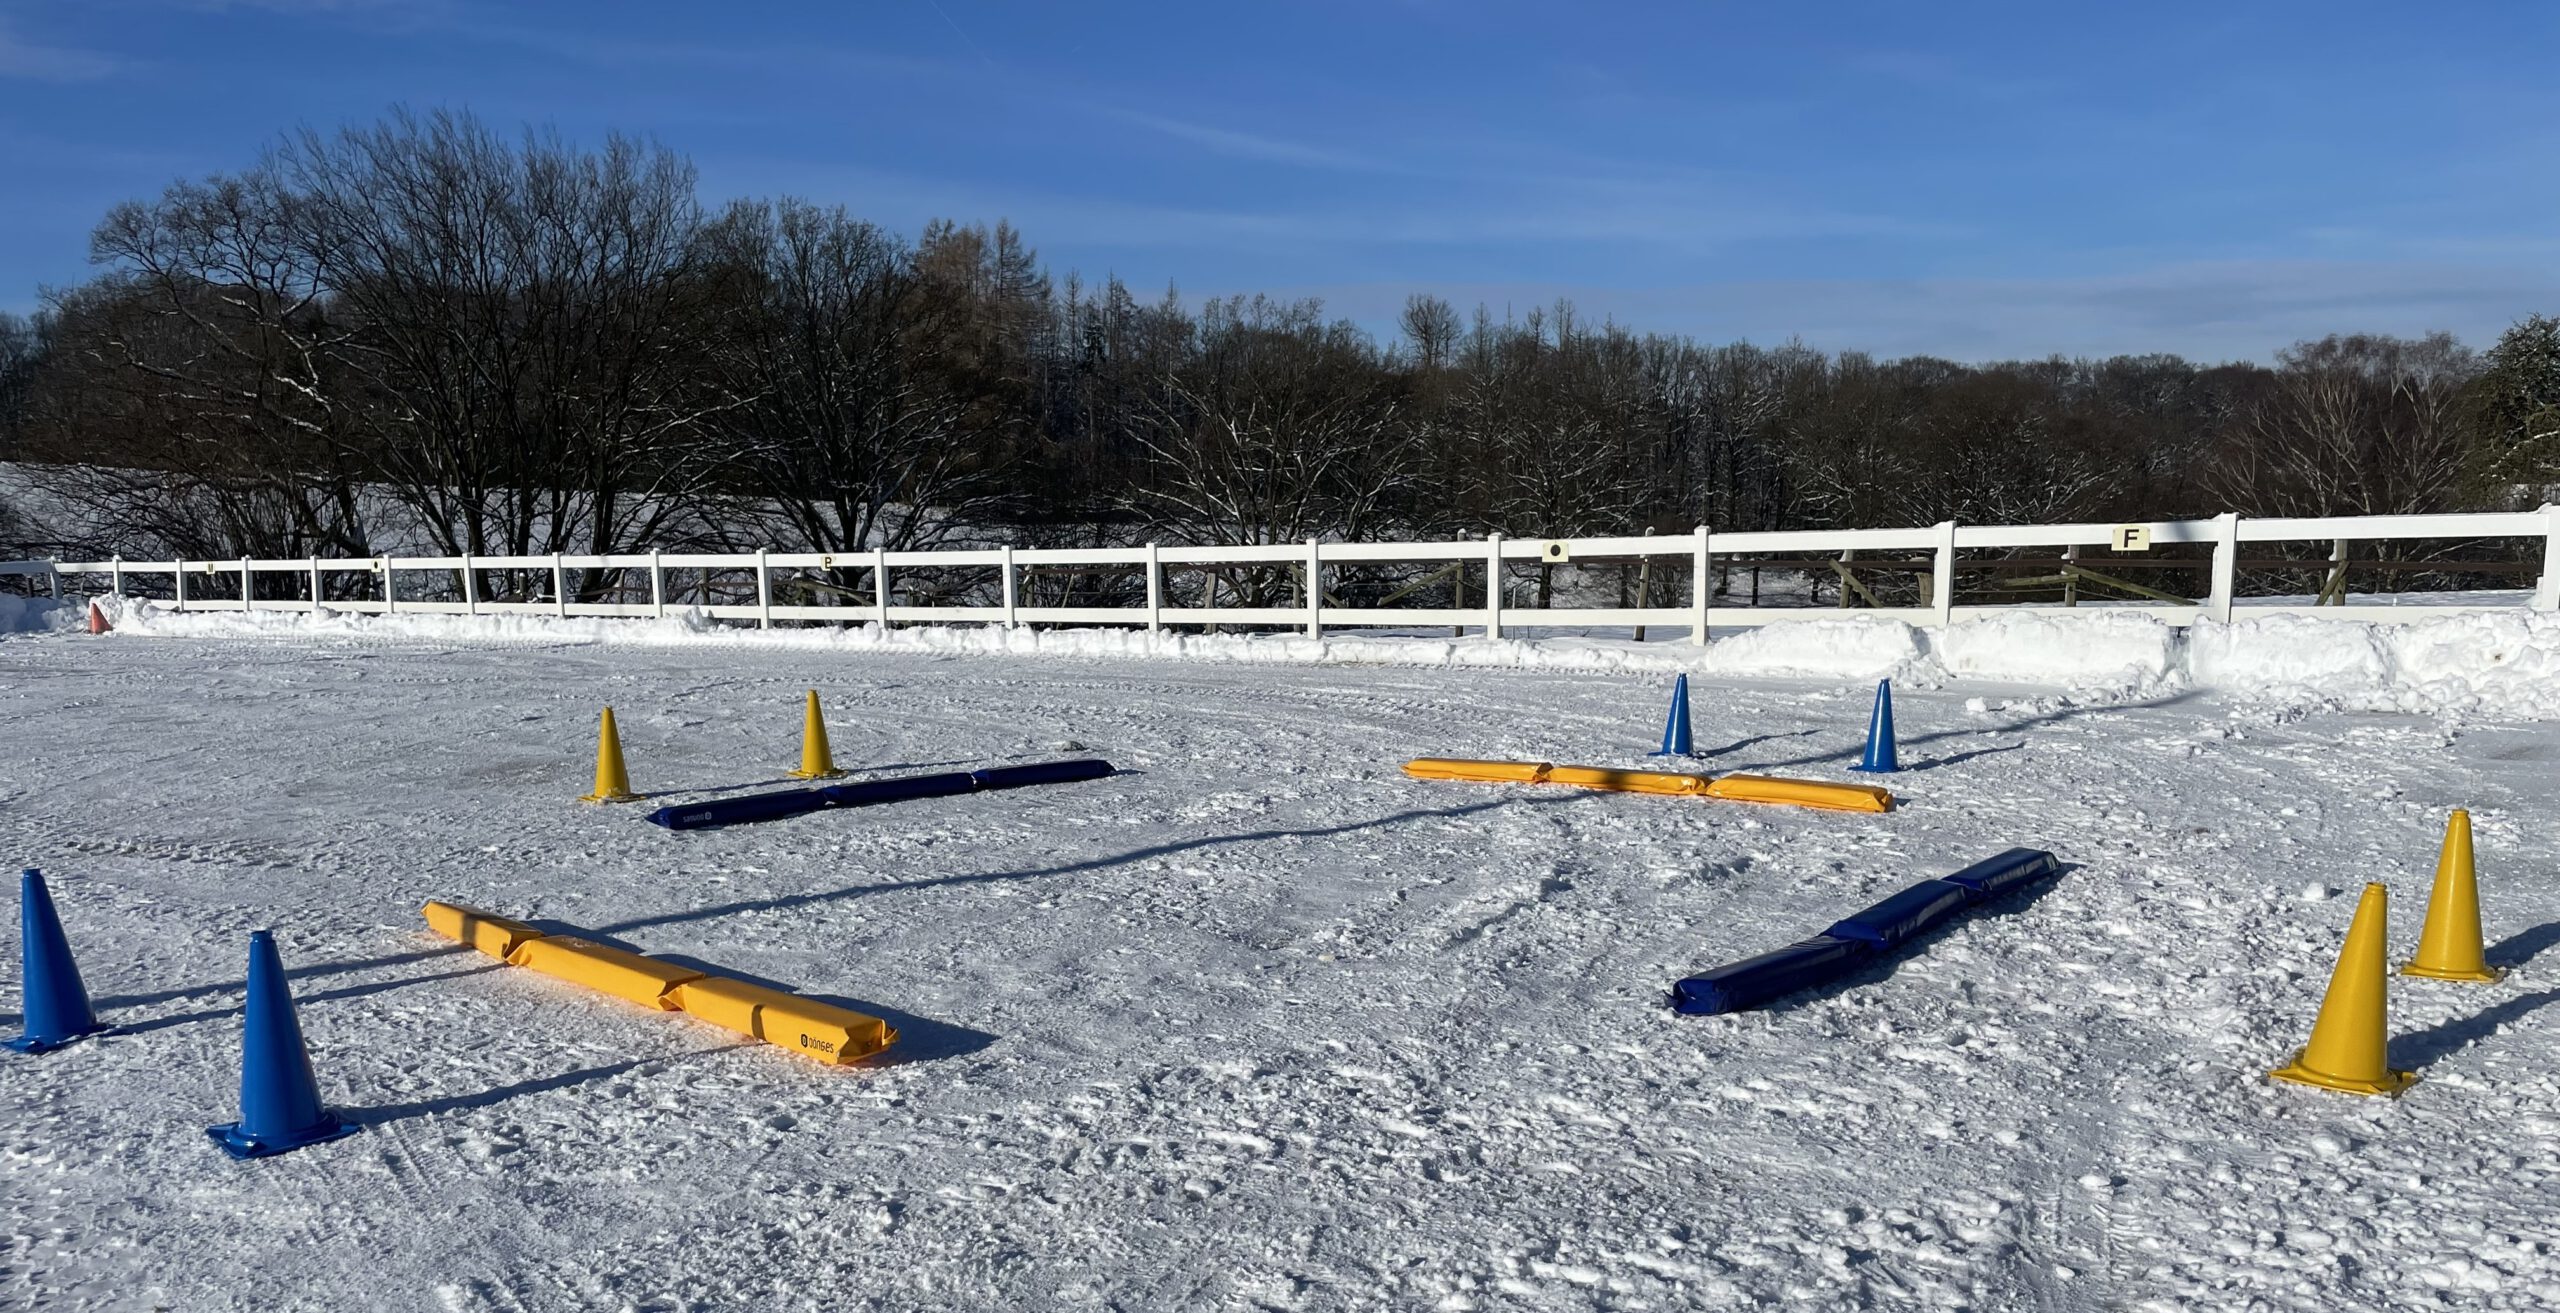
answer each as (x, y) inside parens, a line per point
(613, 784)
(816, 762)
(2449, 947)
(2350, 1043)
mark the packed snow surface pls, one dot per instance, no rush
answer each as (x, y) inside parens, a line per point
(1260, 1023)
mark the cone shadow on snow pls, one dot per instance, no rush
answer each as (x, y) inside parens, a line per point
(1739, 744)
(1883, 968)
(1934, 763)
(920, 1039)
(303, 1000)
(2517, 949)
(539, 1085)
(2420, 1049)
(291, 973)
(1854, 749)
(786, 902)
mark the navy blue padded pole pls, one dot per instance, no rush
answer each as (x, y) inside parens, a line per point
(1044, 772)
(901, 788)
(1859, 938)
(1754, 981)
(714, 812)
(866, 793)
(1994, 876)
(1905, 915)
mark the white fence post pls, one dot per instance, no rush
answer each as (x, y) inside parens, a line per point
(470, 587)
(657, 584)
(1004, 563)
(247, 590)
(880, 585)
(2226, 565)
(1701, 588)
(315, 585)
(1942, 574)
(181, 585)
(559, 586)
(764, 590)
(1493, 585)
(390, 595)
(1315, 590)
(54, 576)
(1155, 590)
(2546, 594)
(115, 575)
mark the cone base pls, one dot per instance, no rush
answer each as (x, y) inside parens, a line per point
(612, 797)
(238, 1143)
(1667, 752)
(47, 1044)
(1877, 770)
(828, 774)
(2390, 1086)
(2483, 976)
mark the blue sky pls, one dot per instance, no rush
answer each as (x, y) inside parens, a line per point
(1968, 180)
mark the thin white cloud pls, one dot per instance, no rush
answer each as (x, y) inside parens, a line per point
(1250, 146)
(35, 62)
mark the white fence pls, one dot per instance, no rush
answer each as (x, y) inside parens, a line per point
(448, 585)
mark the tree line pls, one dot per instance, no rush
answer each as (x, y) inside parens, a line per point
(424, 335)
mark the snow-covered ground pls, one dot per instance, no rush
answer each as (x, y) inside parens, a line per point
(1260, 1022)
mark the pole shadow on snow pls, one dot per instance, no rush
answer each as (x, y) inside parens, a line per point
(539, 1085)
(300, 999)
(2443, 1040)
(1851, 752)
(1883, 968)
(238, 985)
(787, 902)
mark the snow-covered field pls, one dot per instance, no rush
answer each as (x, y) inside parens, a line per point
(1260, 1022)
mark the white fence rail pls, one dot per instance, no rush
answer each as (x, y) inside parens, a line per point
(449, 585)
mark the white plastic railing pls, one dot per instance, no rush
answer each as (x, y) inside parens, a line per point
(456, 577)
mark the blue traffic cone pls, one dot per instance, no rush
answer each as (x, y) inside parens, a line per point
(57, 1006)
(1880, 759)
(279, 1098)
(1675, 731)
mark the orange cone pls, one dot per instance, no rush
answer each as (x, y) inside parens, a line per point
(98, 620)
(613, 783)
(2350, 1043)
(817, 762)
(2449, 947)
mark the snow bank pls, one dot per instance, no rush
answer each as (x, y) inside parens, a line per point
(30, 615)
(2099, 648)
(2502, 665)
(2490, 664)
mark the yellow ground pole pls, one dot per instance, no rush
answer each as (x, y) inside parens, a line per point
(830, 1034)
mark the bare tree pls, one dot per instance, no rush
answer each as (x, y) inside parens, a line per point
(2357, 425)
(851, 427)
(1282, 429)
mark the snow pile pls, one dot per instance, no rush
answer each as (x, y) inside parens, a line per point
(1845, 648)
(2499, 664)
(2112, 649)
(2487, 664)
(31, 615)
